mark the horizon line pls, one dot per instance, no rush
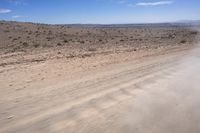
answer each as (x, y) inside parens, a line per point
(169, 22)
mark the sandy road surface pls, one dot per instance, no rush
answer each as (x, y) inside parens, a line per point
(154, 94)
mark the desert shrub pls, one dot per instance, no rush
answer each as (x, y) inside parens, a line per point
(6, 31)
(25, 44)
(92, 49)
(37, 35)
(59, 44)
(82, 42)
(49, 32)
(171, 35)
(194, 33)
(36, 45)
(183, 41)
(49, 38)
(65, 41)
(14, 39)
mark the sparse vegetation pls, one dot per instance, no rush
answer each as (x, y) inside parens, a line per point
(89, 39)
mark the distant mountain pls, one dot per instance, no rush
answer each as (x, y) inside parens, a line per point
(186, 23)
(189, 22)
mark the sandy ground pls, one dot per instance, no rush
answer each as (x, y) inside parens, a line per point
(147, 94)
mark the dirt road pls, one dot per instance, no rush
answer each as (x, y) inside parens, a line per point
(153, 94)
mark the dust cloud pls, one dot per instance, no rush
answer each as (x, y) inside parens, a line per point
(171, 103)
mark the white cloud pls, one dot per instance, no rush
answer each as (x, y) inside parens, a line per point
(18, 2)
(154, 3)
(18, 16)
(122, 1)
(114, 1)
(4, 10)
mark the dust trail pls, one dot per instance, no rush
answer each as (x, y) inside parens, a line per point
(170, 104)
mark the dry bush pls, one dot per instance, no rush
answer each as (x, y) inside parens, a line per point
(6, 31)
(25, 44)
(183, 41)
(194, 33)
(82, 42)
(59, 44)
(36, 45)
(92, 49)
(65, 41)
(14, 39)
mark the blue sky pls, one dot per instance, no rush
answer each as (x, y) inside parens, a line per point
(99, 11)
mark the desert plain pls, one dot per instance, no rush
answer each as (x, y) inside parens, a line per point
(99, 78)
